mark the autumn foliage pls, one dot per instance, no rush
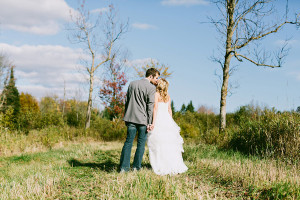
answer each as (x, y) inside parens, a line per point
(28, 103)
(112, 94)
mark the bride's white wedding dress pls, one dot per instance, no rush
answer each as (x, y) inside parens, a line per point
(165, 144)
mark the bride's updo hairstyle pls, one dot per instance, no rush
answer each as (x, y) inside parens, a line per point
(162, 89)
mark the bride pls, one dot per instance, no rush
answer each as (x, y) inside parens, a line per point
(164, 141)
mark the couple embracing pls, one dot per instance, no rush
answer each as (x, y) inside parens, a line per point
(148, 112)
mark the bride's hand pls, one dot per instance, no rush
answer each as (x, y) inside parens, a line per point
(152, 127)
(149, 127)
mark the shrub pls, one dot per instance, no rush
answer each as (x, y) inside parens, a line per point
(272, 135)
(7, 118)
(50, 119)
(196, 125)
(28, 120)
(75, 118)
(109, 130)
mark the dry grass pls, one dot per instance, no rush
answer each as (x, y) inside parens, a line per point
(87, 169)
(262, 174)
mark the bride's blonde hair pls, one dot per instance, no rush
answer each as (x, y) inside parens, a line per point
(162, 89)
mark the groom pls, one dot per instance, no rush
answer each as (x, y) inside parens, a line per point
(138, 117)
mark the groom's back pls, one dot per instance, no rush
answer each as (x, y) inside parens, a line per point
(139, 102)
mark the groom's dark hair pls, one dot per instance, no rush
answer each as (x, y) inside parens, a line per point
(152, 71)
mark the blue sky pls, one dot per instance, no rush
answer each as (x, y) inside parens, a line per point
(34, 38)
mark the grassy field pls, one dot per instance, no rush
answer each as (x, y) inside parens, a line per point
(87, 169)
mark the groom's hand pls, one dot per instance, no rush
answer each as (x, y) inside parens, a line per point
(148, 127)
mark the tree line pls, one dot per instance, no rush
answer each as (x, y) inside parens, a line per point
(241, 24)
(251, 129)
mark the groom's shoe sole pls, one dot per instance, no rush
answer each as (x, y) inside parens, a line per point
(136, 170)
(123, 171)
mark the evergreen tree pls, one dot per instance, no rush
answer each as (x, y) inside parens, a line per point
(12, 95)
(190, 107)
(183, 108)
(298, 109)
(172, 107)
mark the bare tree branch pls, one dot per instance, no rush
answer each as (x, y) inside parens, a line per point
(243, 24)
(256, 63)
(266, 34)
(94, 34)
(244, 13)
(5, 68)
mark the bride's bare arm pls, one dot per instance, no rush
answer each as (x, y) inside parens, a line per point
(155, 108)
(169, 106)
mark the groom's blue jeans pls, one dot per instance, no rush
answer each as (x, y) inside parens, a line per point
(132, 128)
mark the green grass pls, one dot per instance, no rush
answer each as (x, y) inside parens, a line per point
(87, 169)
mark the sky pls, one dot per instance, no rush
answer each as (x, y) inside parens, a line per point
(34, 37)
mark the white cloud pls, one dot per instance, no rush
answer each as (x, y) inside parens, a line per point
(184, 2)
(42, 69)
(39, 91)
(294, 74)
(34, 16)
(139, 62)
(33, 57)
(288, 42)
(100, 10)
(297, 75)
(143, 26)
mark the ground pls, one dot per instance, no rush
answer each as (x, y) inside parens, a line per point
(88, 170)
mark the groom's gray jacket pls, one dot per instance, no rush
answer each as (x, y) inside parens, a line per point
(139, 102)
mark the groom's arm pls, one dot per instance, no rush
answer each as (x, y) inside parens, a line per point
(150, 104)
(128, 93)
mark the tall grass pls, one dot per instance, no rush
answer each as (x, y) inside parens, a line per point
(250, 130)
(88, 170)
(14, 142)
(269, 134)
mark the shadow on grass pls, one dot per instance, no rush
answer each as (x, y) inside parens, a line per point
(146, 165)
(107, 166)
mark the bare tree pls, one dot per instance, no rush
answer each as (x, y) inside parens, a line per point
(162, 68)
(64, 100)
(97, 36)
(243, 24)
(5, 68)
